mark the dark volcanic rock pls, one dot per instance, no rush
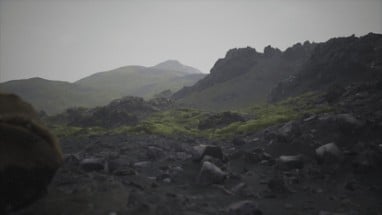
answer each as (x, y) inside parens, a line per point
(256, 73)
(92, 164)
(245, 207)
(288, 162)
(213, 151)
(210, 174)
(329, 153)
(337, 62)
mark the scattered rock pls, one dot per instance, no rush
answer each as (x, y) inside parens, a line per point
(210, 174)
(331, 213)
(238, 141)
(71, 159)
(289, 130)
(277, 185)
(288, 162)
(245, 207)
(237, 188)
(351, 185)
(155, 153)
(92, 164)
(258, 155)
(142, 164)
(347, 119)
(208, 150)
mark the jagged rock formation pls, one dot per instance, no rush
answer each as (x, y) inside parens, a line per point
(29, 154)
(244, 76)
(336, 63)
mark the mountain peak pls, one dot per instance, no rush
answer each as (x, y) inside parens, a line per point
(169, 63)
(175, 65)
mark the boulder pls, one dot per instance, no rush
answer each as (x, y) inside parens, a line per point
(210, 174)
(328, 153)
(245, 207)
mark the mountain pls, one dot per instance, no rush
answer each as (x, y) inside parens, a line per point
(51, 96)
(335, 64)
(142, 81)
(101, 88)
(244, 76)
(174, 65)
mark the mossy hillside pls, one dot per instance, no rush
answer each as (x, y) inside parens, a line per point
(185, 121)
(65, 130)
(270, 114)
(172, 122)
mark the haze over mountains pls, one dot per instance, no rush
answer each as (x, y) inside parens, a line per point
(103, 87)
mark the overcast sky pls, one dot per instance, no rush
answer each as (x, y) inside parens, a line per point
(70, 39)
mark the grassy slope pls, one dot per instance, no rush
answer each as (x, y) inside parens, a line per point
(137, 81)
(98, 89)
(53, 96)
(185, 121)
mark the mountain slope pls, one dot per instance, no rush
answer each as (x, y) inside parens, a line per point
(336, 64)
(140, 81)
(244, 77)
(103, 87)
(51, 96)
(174, 65)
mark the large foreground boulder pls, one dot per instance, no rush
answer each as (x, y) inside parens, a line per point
(29, 154)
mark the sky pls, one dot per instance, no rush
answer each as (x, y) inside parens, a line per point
(70, 39)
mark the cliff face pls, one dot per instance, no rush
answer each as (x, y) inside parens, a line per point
(244, 76)
(337, 62)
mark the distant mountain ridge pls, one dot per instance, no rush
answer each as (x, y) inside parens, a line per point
(102, 87)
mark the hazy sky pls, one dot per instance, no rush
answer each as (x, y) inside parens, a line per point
(70, 39)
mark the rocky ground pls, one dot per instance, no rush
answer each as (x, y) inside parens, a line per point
(322, 164)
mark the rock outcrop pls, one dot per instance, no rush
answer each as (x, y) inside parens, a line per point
(243, 77)
(335, 64)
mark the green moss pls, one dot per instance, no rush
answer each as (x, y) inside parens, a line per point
(186, 121)
(63, 131)
(171, 122)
